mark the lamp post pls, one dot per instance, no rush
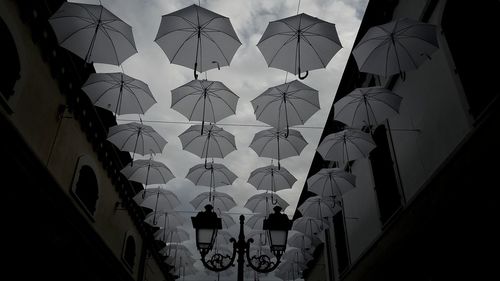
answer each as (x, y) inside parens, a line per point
(207, 224)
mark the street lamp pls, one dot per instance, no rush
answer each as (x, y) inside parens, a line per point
(207, 224)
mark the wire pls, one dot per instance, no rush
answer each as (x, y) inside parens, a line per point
(298, 7)
(221, 124)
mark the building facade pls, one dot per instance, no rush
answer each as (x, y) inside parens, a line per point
(69, 212)
(425, 203)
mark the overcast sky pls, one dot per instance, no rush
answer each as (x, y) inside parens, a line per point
(247, 76)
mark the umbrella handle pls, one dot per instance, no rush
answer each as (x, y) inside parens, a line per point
(195, 74)
(303, 77)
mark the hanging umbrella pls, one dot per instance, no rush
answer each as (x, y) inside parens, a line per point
(309, 226)
(331, 182)
(265, 202)
(297, 255)
(302, 241)
(166, 219)
(319, 208)
(211, 175)
(290, 270)
(276, 144)
(157, 199)
(175, 250)
(367, 106)
(119, 93)
(147, 172)
(93, 33)
(197, 38)
(203, 100)
(256, 221)
(227, 221)
(136, 138)
(171, 235)
(346, 145)
(271, 178)
(299, 43)
(219, 200)
(286, 105)
(214, 142)
(395, 47)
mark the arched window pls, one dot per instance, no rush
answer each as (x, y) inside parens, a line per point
(85, 186)
(470, 30)
(129, 251)
(10, 62)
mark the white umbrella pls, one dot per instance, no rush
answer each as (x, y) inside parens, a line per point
(367, 106)
(157, 199)
(93, 33)
(309, 226)
(211, 175)
(297, 255)
(346, 145)
(203, 100)
(171, 235)
(286, 105)
(265, 202)
(147, 172)
(118, 93)
(299, 43)
(214, 142)
(136, 138)
(278, 144)
(304, 242)
(197, 38)
(166, 219)
(395, 47)
(319, 208)
(331, 182)
(271, 178)
(219, 200)
(256, 221)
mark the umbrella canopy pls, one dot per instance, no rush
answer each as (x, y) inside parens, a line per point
(276, 144)
(271, 178)
(147, 172)
(169, 235)
(159, 200)
(175, 250)
(214, 142)
(290, 270)
(93, 33)
(395, 47)
(211, 175)
(346, 145)
(119, 93)
(297, 255)
(265, 202)
(219, 200)
(256, 221)
(285, 105)
(331, 182)
(203, 100)
(367, 106)
(136, 138)
(302, 241)
(299, 43)
(309, 226)
(319, 208)
(164, 219)
(197, 38)
(227, 222)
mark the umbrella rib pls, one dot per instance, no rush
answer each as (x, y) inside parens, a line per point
(373, 98)
(315, 51)
(194, 107)
(266, 106)
(119, 32)
(223, 101)
(217, 45)
(373, 50)
(407, 52)
(302, 99)
(297, 111)
(206, 30)
(314, 34)
(105, 32)
(291, 39)
(105, 92)
(75, 32)
(194, 25)
(196, 92)
(182, 45)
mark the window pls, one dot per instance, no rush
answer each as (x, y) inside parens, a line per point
(476, 55)
(129, 252)
(85, 187)
(10, 62)
(386, 186)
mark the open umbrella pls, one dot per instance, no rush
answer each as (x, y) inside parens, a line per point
(304, 242)
(331, 182)
(265, 202)
(271, 178)
(367, 106)
(346, 145)
(309, 226)
(136, 138)
(93, 33)
(214, 142)
(157, 199)
(278, 144)
(299, 43)
(319, 208)
(203, 100)
(219, 200)
(297, 255)
(395, 47)
(286, 105)
(119, 93)
(171, 235)
(165, 219)
(212, 175)
(197, 38)
(256, 221)
(147, 172)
